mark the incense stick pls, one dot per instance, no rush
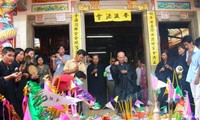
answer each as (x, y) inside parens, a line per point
(126, 108)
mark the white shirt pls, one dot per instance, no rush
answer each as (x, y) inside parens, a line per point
(138, 72)
(109, 75)
(60, 65)
(194, 64)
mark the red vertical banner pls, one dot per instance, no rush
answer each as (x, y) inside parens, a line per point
(153, 4)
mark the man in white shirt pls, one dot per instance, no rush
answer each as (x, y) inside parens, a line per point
(193, 60)
(110, 81)
(138, 73)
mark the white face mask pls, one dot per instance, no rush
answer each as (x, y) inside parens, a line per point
(78, 81)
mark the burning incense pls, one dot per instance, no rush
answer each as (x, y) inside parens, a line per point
(126, 108)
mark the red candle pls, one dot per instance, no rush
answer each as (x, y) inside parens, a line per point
(106, 118)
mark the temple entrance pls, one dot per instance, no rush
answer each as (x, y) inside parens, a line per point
(171, 34)
(48, 39)
(108, 38)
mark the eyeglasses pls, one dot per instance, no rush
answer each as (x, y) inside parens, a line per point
(112, 61)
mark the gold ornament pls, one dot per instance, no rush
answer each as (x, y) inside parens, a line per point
(179, 71)
(179, 76)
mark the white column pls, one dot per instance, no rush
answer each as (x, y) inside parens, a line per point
(20, 23)
(198, 23)
(147, 56)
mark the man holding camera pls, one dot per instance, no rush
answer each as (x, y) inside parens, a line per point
(59, 60)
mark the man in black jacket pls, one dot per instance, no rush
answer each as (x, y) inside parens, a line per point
(8, 79)
(125, 78)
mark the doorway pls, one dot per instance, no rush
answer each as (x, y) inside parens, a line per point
(108, 38)
(171, 34)
(48, 39)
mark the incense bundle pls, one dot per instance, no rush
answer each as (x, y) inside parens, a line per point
(126, 108)
(170, 109)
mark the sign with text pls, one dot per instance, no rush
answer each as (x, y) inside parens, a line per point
(153, 41)
(112, 15)
(51, 99)
(76, 32)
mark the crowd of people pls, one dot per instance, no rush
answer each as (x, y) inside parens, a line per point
(118, 79)
(186, 66)
(19, 66)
